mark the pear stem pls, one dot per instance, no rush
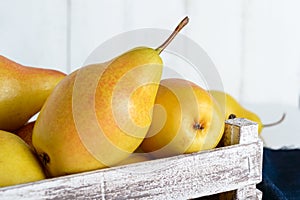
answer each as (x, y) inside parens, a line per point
(171, 37)
(277, 122)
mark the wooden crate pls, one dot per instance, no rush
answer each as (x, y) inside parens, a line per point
(235, 167)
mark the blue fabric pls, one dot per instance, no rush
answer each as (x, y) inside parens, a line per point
(281, 174)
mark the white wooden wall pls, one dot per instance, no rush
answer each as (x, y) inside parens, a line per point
(255, 44)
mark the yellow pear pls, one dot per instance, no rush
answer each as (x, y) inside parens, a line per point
(23, 91)
(185, 119)
(18, 163)
(98, 115)
(233, 108)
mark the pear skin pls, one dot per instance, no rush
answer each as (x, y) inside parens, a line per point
(232, 107)
(18, 162)
(98, 115)
(82, 127)
(25, 133)
(23, 91)
(185, 120)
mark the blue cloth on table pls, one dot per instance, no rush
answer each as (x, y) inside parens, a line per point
(281, 174)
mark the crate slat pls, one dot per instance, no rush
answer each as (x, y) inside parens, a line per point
(234, 167)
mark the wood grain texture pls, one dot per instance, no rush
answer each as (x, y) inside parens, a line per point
(270, 43)
(180, 177)
(33, 32)
(247, 192)
(234, 129)
(217, 26)
(92, 23)
(242, 131)
(245, 39)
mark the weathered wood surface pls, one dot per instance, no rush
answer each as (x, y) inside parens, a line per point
(247, 192)
(241, 131)
(237, 167)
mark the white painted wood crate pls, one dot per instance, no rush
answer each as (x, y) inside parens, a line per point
(236, 167)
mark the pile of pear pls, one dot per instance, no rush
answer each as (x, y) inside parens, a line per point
(23, 92)
(102, 115)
